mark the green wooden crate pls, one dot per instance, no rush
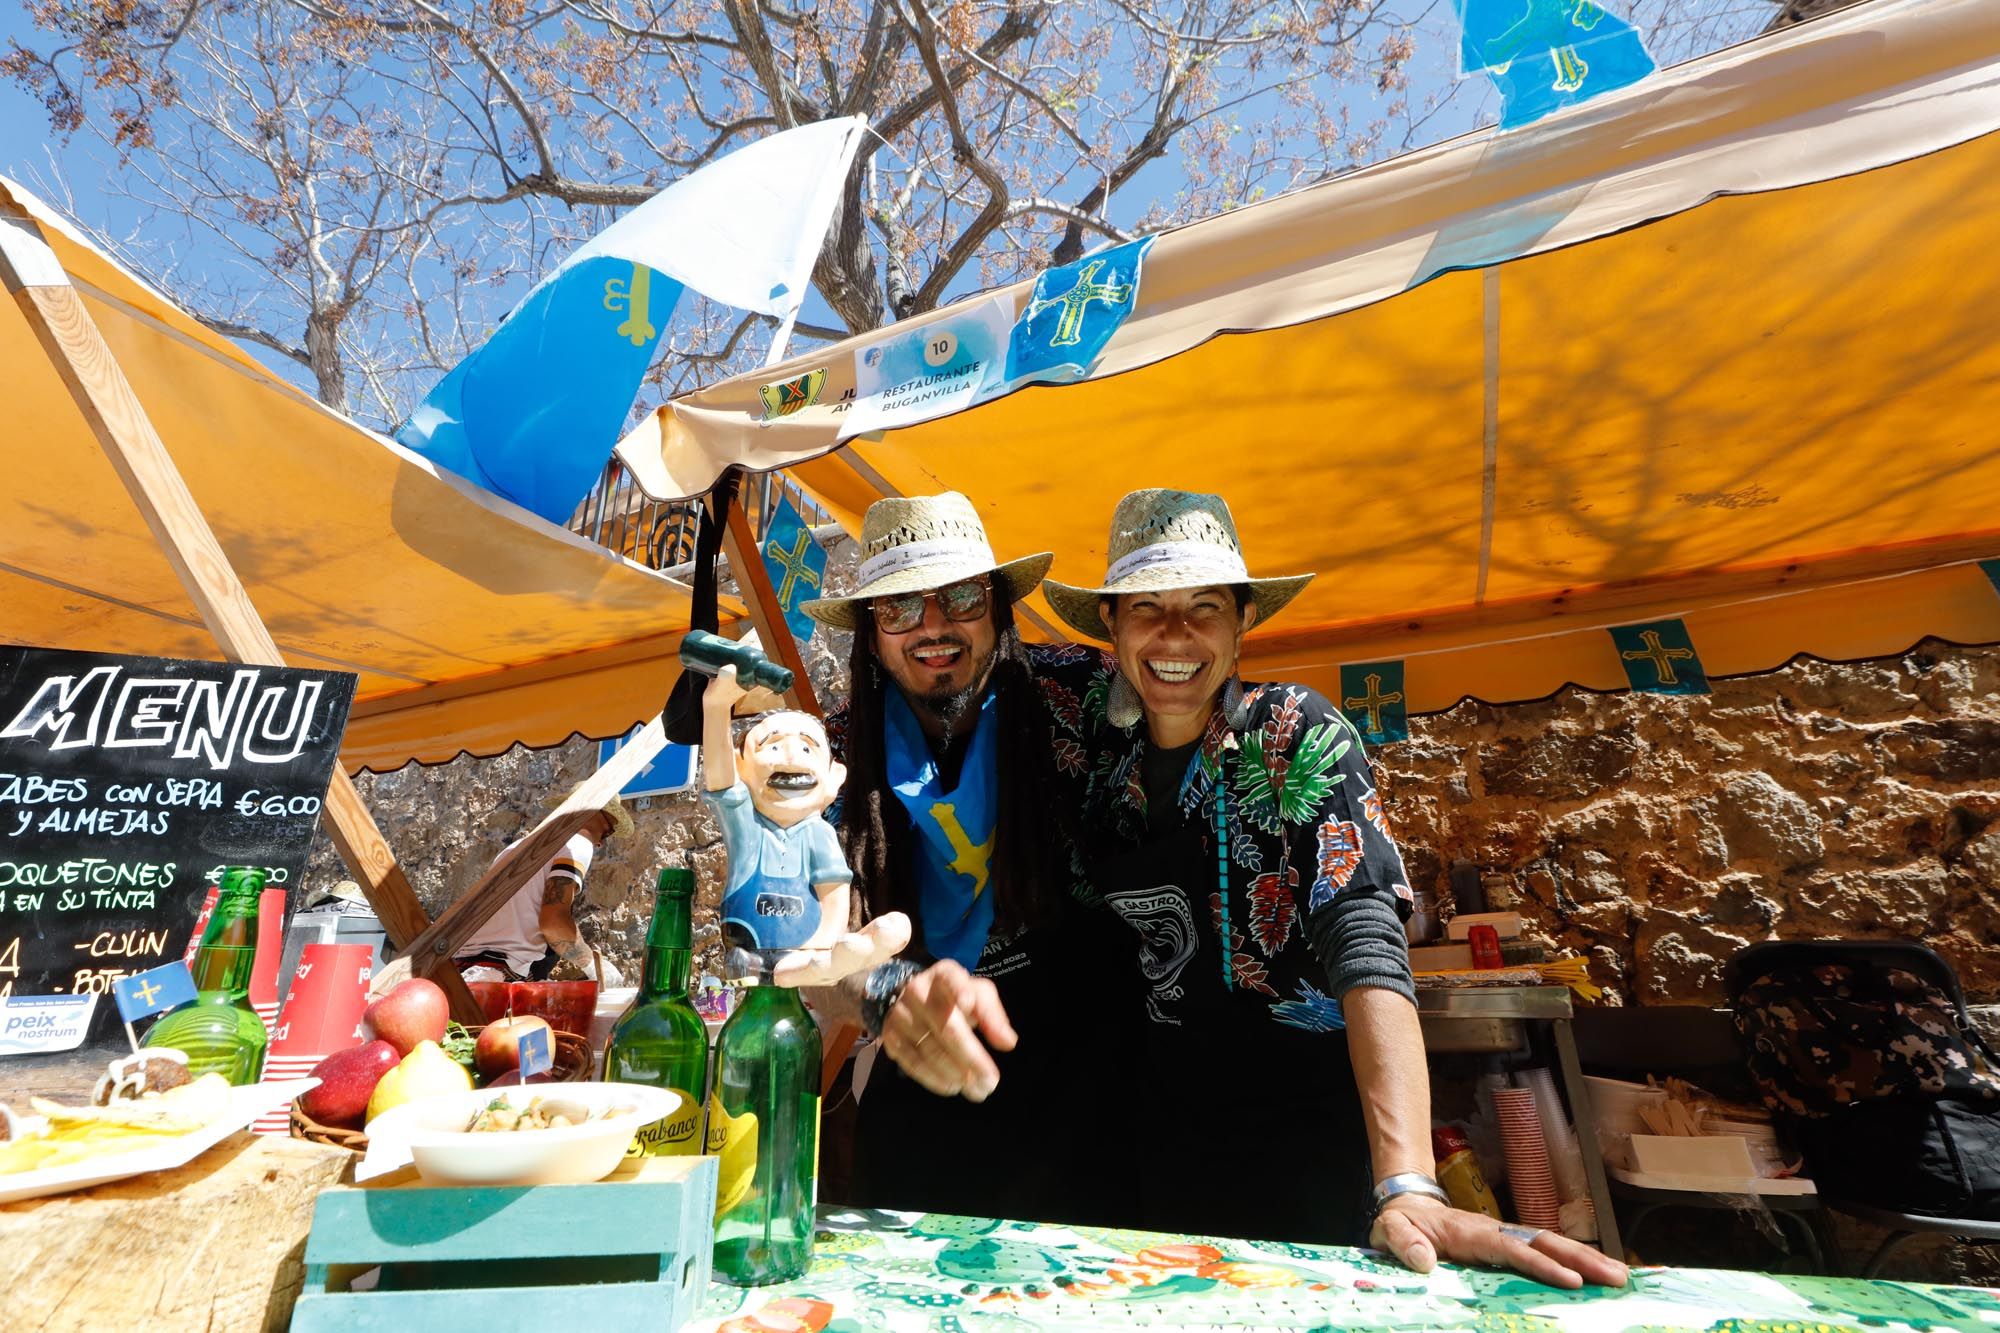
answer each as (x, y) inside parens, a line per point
(633, 1247)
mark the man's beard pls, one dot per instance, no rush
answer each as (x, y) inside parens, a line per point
(947, 706)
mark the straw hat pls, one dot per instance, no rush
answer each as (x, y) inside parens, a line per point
(920, 542)
(1164, 540)
(621, 819)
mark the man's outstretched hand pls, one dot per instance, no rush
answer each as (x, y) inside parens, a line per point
(940, 1028)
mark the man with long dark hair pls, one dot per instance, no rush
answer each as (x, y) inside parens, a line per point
(949, 816)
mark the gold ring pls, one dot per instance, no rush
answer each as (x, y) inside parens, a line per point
(919, 1043)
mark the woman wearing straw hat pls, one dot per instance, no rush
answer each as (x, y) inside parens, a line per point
(1236, 829)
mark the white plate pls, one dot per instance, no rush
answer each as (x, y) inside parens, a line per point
(245, 1105)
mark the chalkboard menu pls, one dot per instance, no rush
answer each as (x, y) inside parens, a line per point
(126, 784)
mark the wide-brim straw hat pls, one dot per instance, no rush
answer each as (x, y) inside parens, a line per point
(1164, 541)
(920, 542)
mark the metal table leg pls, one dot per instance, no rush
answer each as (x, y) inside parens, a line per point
(1585, 1118)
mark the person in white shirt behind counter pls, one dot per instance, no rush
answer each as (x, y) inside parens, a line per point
(536, 928)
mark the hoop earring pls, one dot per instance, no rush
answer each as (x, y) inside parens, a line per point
(1122, 708)
(1235, 706)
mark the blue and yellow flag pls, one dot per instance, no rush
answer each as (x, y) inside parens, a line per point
(1072, 314)
(1372, 698)
(797, 565)
(534, 412)
(1659, 658)
(1544, 55)
(168, 986)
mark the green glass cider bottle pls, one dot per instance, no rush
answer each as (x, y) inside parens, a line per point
(763, 1123)
(661, 1040)
(218, 1029)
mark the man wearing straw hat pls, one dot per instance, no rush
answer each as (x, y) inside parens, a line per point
(947, 816)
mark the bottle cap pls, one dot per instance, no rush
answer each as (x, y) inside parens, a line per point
(1448, 1139)
(677, 881)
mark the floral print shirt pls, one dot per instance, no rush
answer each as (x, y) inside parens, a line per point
(1287, 803)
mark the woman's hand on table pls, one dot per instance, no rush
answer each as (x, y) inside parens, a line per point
(1419, 1231)
(939, 1029)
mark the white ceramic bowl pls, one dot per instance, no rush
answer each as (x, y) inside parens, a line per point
(447, 1154)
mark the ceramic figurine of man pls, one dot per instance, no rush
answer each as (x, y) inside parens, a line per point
(769, 778)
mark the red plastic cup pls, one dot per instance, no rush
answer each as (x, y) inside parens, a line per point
(567, 1006)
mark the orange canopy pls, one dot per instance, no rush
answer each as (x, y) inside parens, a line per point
(1718, 347)
(471, 623)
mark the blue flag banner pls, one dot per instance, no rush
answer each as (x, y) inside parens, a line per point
(796, 564)
(1072, 314)
(533, 414)
(537, 1053)
(1992, 568)
(154, 991)
(1544, 55)
(1372, 698)
(1659, 658)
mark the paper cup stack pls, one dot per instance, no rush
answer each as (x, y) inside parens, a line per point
(321, 1015)
(1528, 1171)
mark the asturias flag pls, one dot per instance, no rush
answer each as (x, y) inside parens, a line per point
(797, 565)
(534, 412)
(1548, 54)
(168, 986)
(1072, 314)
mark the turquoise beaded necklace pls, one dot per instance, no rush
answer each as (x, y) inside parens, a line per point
(1222, 864)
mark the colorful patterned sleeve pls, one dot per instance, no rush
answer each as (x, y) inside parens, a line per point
(1309, 774)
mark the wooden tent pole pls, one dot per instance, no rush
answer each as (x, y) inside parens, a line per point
(760, 599)
(76, 348)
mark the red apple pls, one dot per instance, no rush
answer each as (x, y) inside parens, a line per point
(346, 1080)
(498, 1049)
(413, 1013)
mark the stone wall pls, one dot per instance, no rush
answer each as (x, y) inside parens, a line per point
(1657, 835)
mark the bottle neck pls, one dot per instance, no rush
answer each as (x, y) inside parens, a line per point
(228, 951)
(668, 955)
(771, 1001)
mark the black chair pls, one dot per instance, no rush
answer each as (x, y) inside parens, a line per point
(1698, 1044)
(1759, 959)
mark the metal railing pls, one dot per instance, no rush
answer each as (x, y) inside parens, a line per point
(659, 534)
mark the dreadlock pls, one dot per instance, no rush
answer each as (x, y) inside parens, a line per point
(1029, 860)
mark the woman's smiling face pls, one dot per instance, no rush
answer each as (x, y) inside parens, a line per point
(1178, 648)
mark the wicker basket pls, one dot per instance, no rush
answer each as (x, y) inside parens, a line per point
(573, 1064)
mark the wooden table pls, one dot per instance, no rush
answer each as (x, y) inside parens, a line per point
(217, 1244)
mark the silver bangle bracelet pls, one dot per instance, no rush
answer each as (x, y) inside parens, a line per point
(1406, 1182)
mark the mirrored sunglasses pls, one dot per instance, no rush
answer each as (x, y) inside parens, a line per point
(964, 600)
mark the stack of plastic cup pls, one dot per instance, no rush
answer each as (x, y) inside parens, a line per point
(322, 1015)
(1528, 1173)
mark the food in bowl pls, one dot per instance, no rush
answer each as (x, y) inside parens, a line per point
(503, 1116)
(437, 1133)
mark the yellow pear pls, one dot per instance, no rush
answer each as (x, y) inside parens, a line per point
(425, 1072)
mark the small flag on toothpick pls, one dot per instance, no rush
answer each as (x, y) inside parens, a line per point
(537, 1056)
(154, 991)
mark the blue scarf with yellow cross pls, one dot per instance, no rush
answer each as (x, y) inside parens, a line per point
(955, 844)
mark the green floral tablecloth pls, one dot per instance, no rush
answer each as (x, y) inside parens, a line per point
(887, 1272)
